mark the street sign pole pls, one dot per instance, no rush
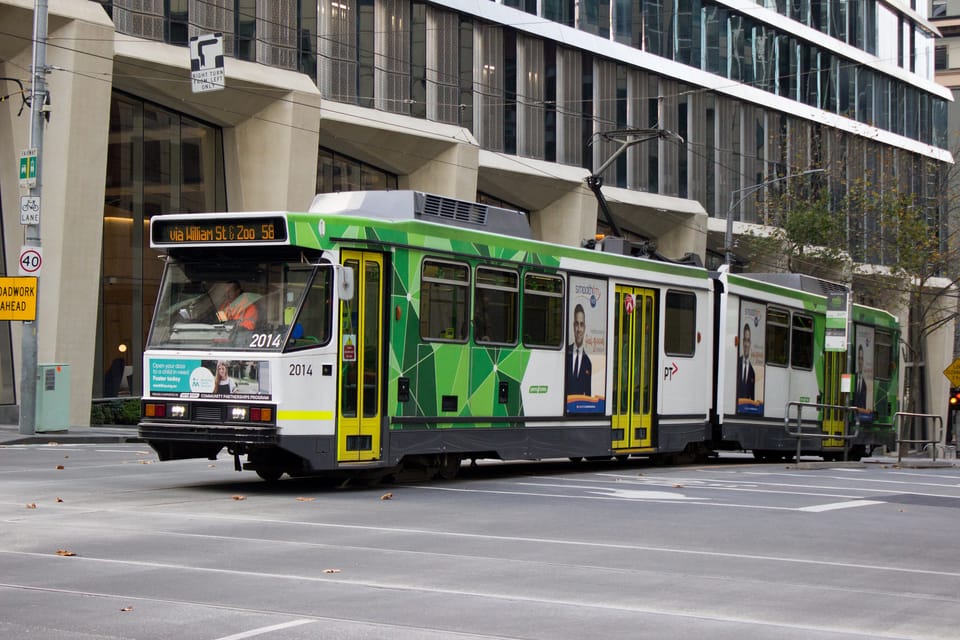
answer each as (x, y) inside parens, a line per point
(28, 365)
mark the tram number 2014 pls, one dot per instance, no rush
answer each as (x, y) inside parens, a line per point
(266, 340)
(298, 369)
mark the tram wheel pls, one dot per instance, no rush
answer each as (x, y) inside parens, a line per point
(270, 475)
(575, 458)
(449, 465)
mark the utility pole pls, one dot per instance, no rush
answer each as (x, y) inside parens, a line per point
(28, 364)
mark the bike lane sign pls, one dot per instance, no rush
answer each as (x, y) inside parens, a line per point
(29, 209)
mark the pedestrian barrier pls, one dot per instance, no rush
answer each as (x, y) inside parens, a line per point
(932, 423)
(818, 433)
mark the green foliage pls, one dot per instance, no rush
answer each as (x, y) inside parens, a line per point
(115, 411)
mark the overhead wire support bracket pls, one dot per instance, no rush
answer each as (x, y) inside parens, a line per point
(626, 138)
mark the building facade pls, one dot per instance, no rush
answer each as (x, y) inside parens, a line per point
(507, 102)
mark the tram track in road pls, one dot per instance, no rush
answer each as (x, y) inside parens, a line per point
(297, 616)
(496, 556)
(269, 631)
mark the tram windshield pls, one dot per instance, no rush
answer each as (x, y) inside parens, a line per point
(242, 305)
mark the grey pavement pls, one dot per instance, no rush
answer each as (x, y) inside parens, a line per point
(10, 435)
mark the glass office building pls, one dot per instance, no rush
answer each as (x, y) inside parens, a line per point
(501, 102)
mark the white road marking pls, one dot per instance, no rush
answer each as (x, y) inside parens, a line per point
(833, 506)
(262, 630)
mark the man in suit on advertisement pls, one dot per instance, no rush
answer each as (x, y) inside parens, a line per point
(746, 378)
(579, 370)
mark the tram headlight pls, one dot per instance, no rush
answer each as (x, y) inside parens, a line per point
(238, 414)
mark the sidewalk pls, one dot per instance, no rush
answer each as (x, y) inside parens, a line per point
(10, 434)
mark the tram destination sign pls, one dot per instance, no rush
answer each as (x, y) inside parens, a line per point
(271, 229)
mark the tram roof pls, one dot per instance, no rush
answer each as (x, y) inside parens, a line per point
(417, 205)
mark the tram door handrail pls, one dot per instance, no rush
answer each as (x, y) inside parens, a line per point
(933, 442)
(800, 434)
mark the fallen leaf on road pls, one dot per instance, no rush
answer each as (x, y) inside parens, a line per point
(127, 609)
(302, 499)
(64, 552)
(678, 486)
(60, 466)
(59, 499)
(31, 505)
(386, 496)
(239, 497)
(331, 570)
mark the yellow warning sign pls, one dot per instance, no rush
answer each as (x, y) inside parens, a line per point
(18, 298)
(953, 373)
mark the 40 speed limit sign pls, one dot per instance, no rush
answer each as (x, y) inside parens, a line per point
(31, 258)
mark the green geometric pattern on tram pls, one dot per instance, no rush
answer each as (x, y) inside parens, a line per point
(466, 371)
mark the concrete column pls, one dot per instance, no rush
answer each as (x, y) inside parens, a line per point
(273, 155)
(569, 220)
(451, 173)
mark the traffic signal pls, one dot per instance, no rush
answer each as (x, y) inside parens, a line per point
(955, 398)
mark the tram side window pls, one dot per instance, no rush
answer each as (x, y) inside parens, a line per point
(542, 315)
(495, 306)
(444, 288)
(883, 356)
(312, 325)
(680, 324)
(778, 337)
(801, 342)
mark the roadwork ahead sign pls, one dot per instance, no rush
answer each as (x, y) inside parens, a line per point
(18, 298)
(206, 62)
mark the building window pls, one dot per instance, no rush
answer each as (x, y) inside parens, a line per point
(940, 59)
(338, 50)
(337, 172)
(391, 56)
(245, 28)
(158, 161)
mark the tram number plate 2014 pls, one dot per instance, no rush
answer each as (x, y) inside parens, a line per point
(266, 341)
(300, 369)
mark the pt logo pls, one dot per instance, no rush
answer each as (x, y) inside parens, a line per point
(670, 370)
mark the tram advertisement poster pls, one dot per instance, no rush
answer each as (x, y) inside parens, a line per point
(863, 383)
(751, 367)
(586, 346)
(191, 378)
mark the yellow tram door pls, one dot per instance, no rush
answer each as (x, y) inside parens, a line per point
(358, 414)
(633, 355)
(833, 363)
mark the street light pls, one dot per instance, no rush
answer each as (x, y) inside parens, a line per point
(746, 191)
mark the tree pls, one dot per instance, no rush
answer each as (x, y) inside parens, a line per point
(896, 248)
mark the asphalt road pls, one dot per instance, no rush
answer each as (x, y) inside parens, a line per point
(103, 541)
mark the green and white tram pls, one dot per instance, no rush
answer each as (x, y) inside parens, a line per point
(391, 329)
(776, 361)
(387, 330)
